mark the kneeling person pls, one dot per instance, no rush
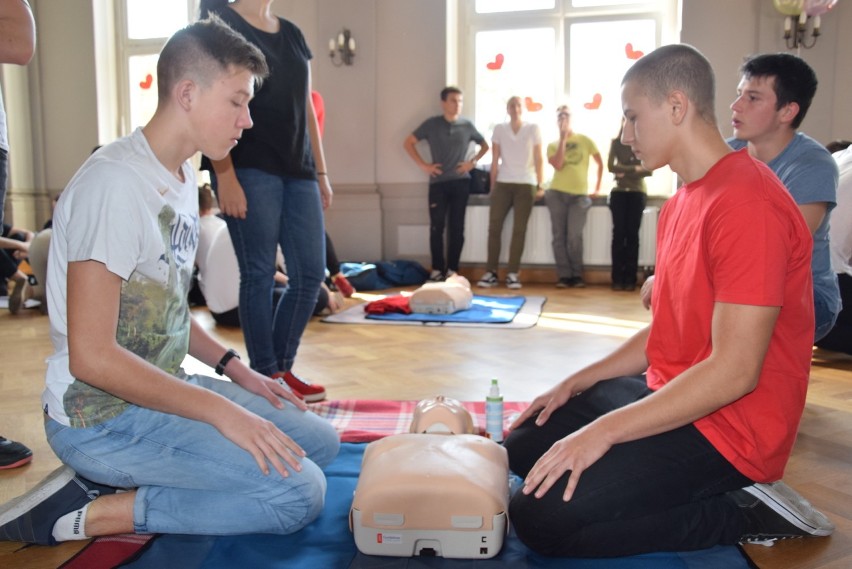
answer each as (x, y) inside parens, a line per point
(669, 443)
(197, 455)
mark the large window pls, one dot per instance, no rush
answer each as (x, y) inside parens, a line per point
(129, 35)
(142, 27)
(553, 52)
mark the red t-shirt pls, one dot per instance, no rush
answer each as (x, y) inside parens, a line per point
(736, 236)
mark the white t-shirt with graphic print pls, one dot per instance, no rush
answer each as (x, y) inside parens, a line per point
(124, 209)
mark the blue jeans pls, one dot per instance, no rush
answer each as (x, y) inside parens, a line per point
(287, 212)
(567, 220)
(824, 316)
(192, 480)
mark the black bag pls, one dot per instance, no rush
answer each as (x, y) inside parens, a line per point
(480, 181)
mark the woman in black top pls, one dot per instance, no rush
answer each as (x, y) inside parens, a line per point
(626, 202)
(272, 189)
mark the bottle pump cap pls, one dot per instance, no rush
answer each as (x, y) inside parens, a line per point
(495, 389)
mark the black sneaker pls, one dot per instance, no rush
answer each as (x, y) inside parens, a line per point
(776, 511)
(564, 283)
(30, 518)
(578, 282)
(13, 455)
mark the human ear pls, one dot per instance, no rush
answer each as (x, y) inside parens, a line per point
(185, 93)
(678, 102)
(790, 112)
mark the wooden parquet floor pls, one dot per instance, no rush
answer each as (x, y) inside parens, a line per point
(401, 362)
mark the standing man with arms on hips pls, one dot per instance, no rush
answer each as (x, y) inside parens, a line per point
(568, 200)
(449, 137)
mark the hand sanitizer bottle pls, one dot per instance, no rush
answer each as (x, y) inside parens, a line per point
(494, 413)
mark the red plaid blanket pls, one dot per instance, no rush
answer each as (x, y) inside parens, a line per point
(364, 420)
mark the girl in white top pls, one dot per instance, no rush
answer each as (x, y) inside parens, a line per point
(516, 178)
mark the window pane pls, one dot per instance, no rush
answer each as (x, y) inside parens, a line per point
(155, 18)
(599, 54)
(493, 6)
(514, 63)
(597, 3)
(142, 70)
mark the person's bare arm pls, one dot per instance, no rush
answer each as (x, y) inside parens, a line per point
(326, 193)
(597, 158)
(740, 337)
(96, 358)
(469, 165)
(229, 191)
(557, 160)
(495, 165)
(17, 32)
(627, 359)
(431, 169)
(813, 213)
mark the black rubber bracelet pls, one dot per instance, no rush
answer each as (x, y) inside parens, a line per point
(220, 367)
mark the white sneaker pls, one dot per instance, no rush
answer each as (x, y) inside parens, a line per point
(776, 511)
(488, 280)
(436, 277)
(512, 281)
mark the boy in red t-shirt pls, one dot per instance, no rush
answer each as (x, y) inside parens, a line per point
(667, 443)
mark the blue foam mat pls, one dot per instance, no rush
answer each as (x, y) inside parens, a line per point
(328, 544)
(483, 309)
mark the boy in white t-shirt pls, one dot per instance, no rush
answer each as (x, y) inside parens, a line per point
(196, 455)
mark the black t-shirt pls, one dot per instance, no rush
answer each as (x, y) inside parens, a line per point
(279, 142)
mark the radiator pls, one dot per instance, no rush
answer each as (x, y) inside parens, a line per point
(597, 237)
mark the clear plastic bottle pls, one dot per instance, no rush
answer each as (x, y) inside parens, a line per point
(494, 413)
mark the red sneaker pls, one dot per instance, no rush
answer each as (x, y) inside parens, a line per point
(343, 285)
(308, 391)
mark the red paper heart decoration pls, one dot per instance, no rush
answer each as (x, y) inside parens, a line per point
(632, 53)
(496, 64)
(531, 105)
(146, 84)
(596, 102)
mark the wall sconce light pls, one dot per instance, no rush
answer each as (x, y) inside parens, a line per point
(342, 49)
(796, 15)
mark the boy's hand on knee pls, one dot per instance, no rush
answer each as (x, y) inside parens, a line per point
(263, 440)
(574, 454)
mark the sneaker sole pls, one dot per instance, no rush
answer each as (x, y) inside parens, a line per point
(514, 286)
(18, 463)
(19, 506)
(486, 285)
(788, 504)
(313, 398)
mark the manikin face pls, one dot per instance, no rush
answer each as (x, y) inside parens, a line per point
(221, 112)
(646, 127)
(453, 105)
(754, 116)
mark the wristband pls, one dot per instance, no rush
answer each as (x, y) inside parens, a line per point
(322, 174)
(230, 354)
